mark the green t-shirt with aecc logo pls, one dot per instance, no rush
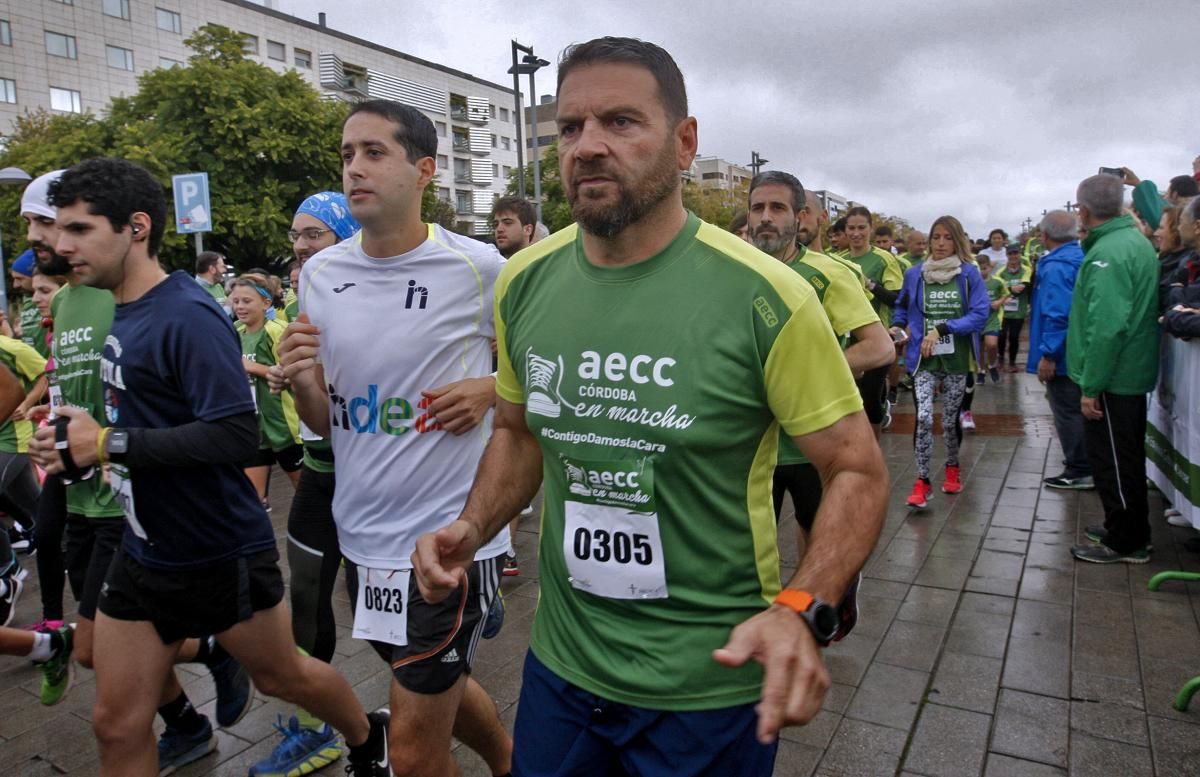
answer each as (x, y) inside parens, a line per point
(278, 422)
(1018, 304)
(952, 354)
(996, 289)
(656, 392)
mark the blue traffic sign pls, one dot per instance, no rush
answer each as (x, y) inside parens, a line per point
(193, 212)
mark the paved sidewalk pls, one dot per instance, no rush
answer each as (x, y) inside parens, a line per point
(982, 649)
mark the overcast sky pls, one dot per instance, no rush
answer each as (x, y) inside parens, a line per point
(990, 110)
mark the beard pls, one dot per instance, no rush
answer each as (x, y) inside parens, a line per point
(772, 241)
(54, 265)
(634, 199)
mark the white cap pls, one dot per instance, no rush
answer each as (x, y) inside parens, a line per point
(35, 201)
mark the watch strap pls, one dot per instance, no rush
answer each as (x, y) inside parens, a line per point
(795, 600)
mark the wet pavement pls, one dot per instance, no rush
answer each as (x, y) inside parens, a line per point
(982, 647)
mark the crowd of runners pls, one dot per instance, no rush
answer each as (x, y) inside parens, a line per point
(663, 384)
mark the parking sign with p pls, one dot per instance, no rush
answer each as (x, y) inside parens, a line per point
(193, 213)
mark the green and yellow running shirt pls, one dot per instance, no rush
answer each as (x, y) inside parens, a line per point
(318, 451)
(83, 315)
(32, 333)
(656, 391)
(278, 422)
(1018, 304)
(28, 365)
(883, 269)
(846, 306)
(996, 289)
(952, 354)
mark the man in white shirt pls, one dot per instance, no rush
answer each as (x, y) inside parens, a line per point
(391, 359)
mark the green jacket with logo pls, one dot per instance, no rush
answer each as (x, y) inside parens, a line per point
(1112, 335)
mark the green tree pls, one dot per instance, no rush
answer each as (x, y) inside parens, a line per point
(716, 206)
(556, 211)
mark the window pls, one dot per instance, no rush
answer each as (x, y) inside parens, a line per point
(441, 128)
(121, 59)
(168, 62)
(8, 90)
(507, 171)
(443, 194)
(463, 202)
(302, 58)
(462, 172)
(60, 45)
(492, 111)
(5, 33)
(169, 20)
(493, 141)
(117, 8)
(495, 171)
(504, 114)
(443, 162)
(65, 100)
(505, 143)
(249, 44)
(276, 51)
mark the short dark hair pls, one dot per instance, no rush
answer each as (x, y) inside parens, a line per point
(115, 189)
(782, 179)
(414, 131)
(884, 230)
(738, 223)
(998, 231)
(206, 260)
(518, 206)
(838, 226)
(859, 210)
(1184, 186)
(631, 51)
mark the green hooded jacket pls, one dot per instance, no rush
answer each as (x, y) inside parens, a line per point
(1112, 336)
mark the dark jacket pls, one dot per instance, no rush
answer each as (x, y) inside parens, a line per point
(910, 312)
(1052, 306)
(1183, 288)
(1112, 338)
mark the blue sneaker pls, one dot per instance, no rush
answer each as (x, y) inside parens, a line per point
(302, 751)
(177, 749)
(235, 693)
(495, 616)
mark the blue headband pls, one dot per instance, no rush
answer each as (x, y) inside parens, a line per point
(265, 293)
(331, 208)
(23, 264)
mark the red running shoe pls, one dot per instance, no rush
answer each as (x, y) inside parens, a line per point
(952, 485)
(919, 499)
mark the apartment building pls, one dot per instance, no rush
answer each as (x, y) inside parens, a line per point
(76, 55)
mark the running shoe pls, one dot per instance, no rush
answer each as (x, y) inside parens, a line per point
(966, 420)
(302, 751)
(952, 484)
(58, 673)
(177, 748)
(235, 692)
(13, 586)
(372, 762)
(494, 619)
(1083, 483)
(980, 378)
(995, 373)
(44, 625)
(1102, 554)
(22, 541)
(906, 383)
(919, 499)
(1097, 534)
(511, 568)
(887, 415)
(891, 395)
(1175, 518)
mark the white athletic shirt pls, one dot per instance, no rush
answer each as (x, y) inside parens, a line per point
(391, 328)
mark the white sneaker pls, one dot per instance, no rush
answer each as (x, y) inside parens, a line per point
(966, 420)
(1176, 518)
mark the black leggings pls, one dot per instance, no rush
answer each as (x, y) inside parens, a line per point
(18, 488)
(49, 528)
(313, 558)
(969, 396)
(1010, 335)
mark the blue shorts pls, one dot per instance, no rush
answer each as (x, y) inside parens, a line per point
(993, 333)
(564, 731)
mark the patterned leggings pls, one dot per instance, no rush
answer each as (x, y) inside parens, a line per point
(953, 389)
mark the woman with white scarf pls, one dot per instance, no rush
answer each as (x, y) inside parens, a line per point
(943, 305)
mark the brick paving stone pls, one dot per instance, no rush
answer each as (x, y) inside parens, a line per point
(863, 749)
(948, 742)
(1006, 766)
(889, 696)
(967, 682)
(1031, 727)
(1092, 757)
(1176, 747)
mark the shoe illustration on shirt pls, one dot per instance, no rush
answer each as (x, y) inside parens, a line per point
(545, 378)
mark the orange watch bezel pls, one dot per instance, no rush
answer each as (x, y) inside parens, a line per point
(795, 600)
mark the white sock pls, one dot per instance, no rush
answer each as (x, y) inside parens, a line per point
(3, 587)
(42, 649)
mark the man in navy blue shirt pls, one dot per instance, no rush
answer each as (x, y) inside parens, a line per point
(198, 555)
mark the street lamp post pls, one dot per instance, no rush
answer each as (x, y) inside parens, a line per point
(530, 64)
(516, 74)
(756, 162)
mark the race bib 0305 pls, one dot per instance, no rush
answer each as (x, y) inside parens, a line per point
(611, 539)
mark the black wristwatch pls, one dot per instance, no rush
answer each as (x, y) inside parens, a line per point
(116, 445)
(822, 618)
